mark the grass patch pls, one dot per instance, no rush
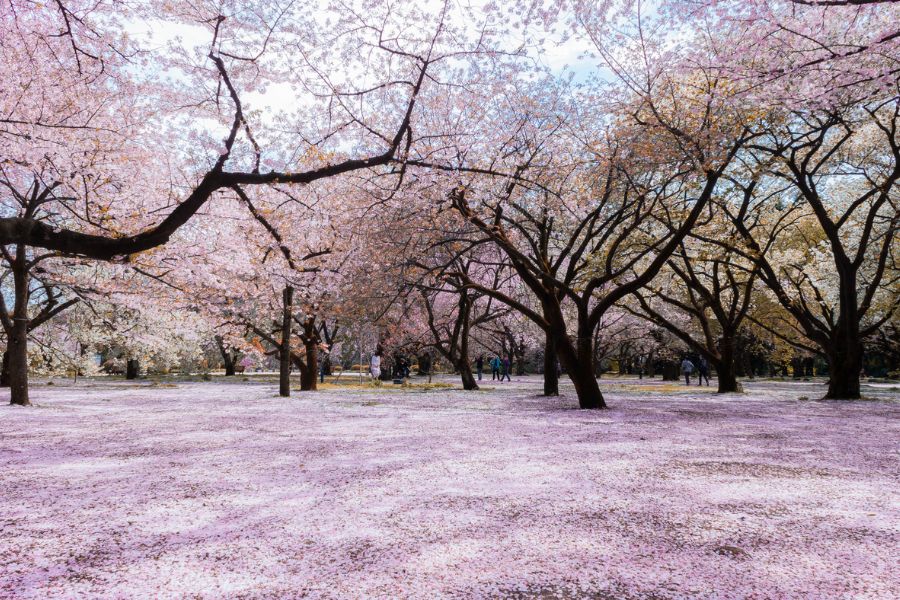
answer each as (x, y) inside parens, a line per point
(382, 386)
(663, 388)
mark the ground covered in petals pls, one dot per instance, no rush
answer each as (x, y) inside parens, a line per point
(215, 490)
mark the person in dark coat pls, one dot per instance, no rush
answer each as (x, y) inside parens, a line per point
(479, 366)
(506, 368)
(702, 371)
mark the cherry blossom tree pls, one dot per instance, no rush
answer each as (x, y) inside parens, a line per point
(842, 169)
(134, 137)
(605, 212)
(453, 309)
(712, 285)
(36, 300)
(800, 51)
(567, 201)
(822, 78)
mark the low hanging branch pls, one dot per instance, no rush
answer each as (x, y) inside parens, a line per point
(35, 233)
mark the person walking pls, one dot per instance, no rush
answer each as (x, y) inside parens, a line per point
(702, 371)
(479, 365)
(506, 368)
(375, 366)
(495, 368)
(687, 367)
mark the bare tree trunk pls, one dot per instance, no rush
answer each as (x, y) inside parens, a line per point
(4, 370)
(309, 377)
(551, 370)
(132, 368)
(465, 373)
(586, 386)
(844, 367)
(844, 350)
(284, 354)
(726, 368)
(463, 363)
(18, 363)
(227, 357)
(579, 363)
(728, 382)
(17, 332)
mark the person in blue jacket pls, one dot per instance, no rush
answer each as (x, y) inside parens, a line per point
(495, 368)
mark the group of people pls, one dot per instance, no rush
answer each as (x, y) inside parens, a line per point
(500, 368)
(399, 368)
(687, 369)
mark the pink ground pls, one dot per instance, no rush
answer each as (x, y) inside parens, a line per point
(216, 490)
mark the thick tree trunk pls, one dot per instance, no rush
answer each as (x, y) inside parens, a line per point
(132, 368)
(465, 373)
(586, 386)
(298, 364)
(17, 348)
(228, 359)
(845, 355)
(577, 359)
(309, 377)
(463, 363)
(551, 371)
(284, 354)
(845, 351)
(728, 382)
(670, 371)
(4, 370)
(726, 368)
(17, 331)
(579, 363)
(844, 366)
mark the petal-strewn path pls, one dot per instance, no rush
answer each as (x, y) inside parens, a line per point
(212, 490)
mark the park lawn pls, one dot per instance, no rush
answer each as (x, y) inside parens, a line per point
(221, 490)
